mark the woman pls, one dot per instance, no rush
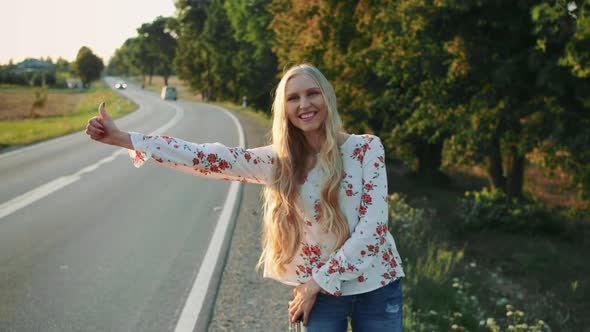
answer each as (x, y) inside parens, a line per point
(325, 212)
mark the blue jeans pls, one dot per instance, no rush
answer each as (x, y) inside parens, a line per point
(376, 311)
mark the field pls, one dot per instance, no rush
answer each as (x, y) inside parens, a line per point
(62, 112)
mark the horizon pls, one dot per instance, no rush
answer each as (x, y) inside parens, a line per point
(38, 34)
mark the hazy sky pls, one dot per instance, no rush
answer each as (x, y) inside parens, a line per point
(60, 27)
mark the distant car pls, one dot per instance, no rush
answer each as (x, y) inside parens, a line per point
(121, 85)
(168, 93)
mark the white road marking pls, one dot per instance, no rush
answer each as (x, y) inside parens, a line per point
(50, 187)
(194, 303)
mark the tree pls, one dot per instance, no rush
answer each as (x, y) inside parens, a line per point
(352, 42)
(498, 98)
(564, 37)
(253, 60)
(88, 66)
(396, 82)
(192, 57)
(206, 49)
(62, 65)
(489, 81)
(158, 46)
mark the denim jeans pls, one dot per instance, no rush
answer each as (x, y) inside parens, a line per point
(376, 311)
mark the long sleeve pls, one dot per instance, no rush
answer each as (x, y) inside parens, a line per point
(212, 160)
(369, 240)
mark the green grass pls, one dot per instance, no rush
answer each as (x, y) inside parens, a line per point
(27, 131)
(466, 280)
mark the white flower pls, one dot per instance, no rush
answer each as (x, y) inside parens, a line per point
(571, 6)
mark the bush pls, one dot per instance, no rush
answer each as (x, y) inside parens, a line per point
(493, 210)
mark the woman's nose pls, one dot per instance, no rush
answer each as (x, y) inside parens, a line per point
(303, 103)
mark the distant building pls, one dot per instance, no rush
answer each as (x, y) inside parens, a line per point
(31, 65)
(33, 70)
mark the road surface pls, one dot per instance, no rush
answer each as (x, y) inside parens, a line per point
(90, 243)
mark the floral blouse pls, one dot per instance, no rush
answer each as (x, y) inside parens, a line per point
(366, 261)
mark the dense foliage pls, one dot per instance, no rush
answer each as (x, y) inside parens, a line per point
(457, 81)
(151, 53)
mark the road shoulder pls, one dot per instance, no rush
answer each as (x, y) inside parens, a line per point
(245, 301)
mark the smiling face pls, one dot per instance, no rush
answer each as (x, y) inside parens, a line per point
(304, 104)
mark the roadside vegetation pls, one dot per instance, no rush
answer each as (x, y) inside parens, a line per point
(483, 108)
(479, 262)
(25, 120)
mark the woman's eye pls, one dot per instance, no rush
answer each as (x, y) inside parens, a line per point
(314, 93)
(292, 98)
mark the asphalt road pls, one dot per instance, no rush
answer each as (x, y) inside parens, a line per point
(113, 248)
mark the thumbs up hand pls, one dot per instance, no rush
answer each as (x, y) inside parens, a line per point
(102, 129)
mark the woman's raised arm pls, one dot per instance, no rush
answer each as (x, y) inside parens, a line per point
(213, 160)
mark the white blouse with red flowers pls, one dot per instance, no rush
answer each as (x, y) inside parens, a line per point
(366, 261)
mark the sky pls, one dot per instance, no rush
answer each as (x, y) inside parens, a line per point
(41, 28)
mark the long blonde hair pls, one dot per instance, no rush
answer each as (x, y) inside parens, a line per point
(282, 224)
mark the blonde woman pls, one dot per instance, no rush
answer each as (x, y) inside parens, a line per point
(325, 208)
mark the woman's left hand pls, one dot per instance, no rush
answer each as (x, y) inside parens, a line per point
(304, 298)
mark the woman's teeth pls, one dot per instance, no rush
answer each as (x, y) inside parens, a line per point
(307, 115)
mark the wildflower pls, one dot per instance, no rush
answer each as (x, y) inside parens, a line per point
(454, 327)
(457, 314)
(509, 314)
(509, 307)
(456, 285)
(519, 313)
(571, 8)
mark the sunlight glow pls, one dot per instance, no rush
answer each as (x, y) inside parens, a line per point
(60, 27)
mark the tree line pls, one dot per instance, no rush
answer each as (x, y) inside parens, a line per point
(87, 67)
(457, 81)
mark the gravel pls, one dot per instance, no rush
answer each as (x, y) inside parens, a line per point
(245, 300)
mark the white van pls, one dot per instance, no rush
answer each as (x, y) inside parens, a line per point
(168, 93)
